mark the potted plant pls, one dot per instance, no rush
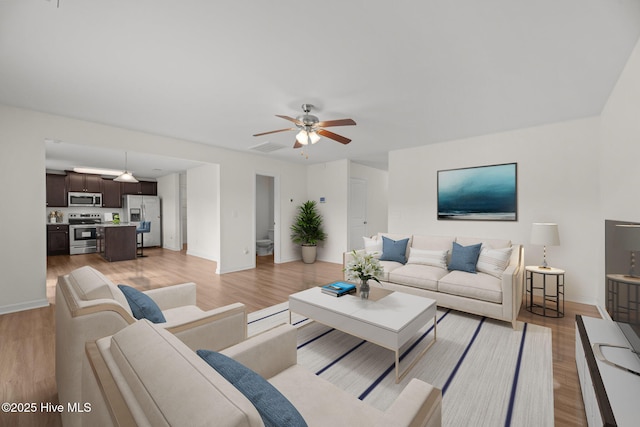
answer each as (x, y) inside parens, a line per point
(306, 230)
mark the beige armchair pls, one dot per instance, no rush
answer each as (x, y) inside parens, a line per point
(89, 306)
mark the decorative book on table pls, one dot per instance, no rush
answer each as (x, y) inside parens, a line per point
(337, 289)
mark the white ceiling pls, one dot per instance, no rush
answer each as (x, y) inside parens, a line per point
(408, 72)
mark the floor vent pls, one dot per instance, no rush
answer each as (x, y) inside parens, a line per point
(266, 147)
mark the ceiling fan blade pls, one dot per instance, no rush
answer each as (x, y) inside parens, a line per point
(297, 144)
(274, 131)
(341, 139)
(291, 119)
(341, 122)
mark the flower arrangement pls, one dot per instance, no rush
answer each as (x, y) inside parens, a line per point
(363, 267)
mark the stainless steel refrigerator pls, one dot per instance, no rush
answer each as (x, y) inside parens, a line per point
(144, 208)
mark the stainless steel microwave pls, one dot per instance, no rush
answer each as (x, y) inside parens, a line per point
(85, 199)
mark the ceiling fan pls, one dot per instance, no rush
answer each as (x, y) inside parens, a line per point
(311, 128)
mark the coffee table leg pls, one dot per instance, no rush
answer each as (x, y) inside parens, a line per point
(400, 376)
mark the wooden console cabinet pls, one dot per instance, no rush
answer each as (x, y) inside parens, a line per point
(610, 394)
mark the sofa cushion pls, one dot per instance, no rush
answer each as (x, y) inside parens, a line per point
(322, 403)
(464, 258)
(478, 286)
(182, 314)
(418, 276)
(373, 246)
(388, 267)
(142, 306)
(493, 261)
(436, 258)
(273, 407)
(394, 250)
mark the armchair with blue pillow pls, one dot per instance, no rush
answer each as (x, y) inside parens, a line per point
(89, 306)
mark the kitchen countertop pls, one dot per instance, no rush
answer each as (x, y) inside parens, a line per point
(122, 224)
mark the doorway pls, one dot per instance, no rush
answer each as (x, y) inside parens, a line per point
(266, 230)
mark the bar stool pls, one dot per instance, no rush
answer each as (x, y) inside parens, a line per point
(143, 227)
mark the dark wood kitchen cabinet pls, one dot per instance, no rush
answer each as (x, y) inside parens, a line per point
(56, 191)
(57, 239)
(144, 188)
(82, 182)
(111, 194)
(117, 242)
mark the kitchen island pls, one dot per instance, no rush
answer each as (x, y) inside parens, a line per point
(116, 242)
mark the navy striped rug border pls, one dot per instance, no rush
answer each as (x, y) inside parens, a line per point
(516, 375)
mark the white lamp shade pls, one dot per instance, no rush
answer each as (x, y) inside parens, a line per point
(305, 137)
(545, 233)
(126, 177)
(628, 236)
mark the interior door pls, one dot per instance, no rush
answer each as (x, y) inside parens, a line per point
(357, 212)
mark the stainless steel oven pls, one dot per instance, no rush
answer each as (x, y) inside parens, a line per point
(82, 233)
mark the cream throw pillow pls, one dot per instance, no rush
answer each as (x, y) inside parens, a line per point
(427, 257)
(373, 246)
(493, 261)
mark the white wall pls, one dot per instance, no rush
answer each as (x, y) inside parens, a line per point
(22, 214)
(558, 182)
(377, 196)
(22, 135)
(619, 153)
(169, 193)
(331, 181)
(203, 212)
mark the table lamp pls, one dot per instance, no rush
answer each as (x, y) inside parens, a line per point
(628, 235)
(545, 234)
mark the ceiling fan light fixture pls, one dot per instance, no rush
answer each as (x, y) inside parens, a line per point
(306, 138)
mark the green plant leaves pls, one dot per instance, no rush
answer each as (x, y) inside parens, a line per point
(307, 226)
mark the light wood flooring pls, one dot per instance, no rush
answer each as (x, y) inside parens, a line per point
(27, 338)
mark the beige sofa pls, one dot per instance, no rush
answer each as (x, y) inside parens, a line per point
(497, 294)
(145, 376)
(89, 306)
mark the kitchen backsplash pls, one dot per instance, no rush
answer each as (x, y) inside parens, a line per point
(66, 211)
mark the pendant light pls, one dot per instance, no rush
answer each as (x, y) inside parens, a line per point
(125, 176)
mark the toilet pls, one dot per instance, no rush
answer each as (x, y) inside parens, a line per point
(265, 246)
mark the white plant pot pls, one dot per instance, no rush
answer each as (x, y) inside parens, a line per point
(309, 254)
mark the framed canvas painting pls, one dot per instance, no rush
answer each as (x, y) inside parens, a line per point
(482, 193)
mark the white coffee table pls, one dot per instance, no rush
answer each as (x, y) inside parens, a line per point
(388, 319)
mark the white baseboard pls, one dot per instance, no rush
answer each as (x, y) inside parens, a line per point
(12, 308)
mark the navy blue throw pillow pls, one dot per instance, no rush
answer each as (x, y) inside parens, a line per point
(142, 306)
(464, 258)
(394, 250)
(274, 408)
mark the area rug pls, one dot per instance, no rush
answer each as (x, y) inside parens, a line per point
(489, 373)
